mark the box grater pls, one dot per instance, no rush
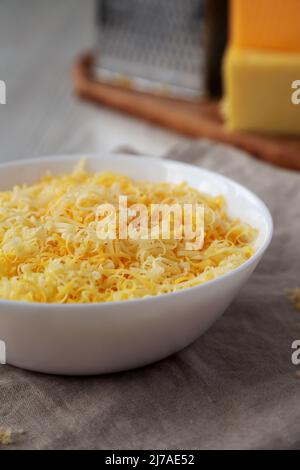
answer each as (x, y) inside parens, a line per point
(151, 45)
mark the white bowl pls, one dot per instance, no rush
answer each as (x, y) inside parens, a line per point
(108, 337)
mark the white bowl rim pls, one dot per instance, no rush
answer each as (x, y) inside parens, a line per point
(155, 298)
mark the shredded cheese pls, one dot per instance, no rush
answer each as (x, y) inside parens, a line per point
(49, 251)
(294, 296)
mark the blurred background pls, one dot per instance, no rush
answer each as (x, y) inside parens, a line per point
(95, 75)
(39, 40)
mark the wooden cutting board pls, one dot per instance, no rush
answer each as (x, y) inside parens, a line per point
(201, 118)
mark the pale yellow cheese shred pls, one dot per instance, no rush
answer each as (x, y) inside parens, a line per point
(5, 436)
(49, 251)
(294, 296)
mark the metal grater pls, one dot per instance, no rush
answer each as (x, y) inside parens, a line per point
(151, 45)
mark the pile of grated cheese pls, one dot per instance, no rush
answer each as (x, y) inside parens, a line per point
(49, 251)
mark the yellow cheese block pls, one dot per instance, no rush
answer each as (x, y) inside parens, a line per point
(265, 24)
(259, 91)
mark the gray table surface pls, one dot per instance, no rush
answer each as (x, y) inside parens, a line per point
(39, 39)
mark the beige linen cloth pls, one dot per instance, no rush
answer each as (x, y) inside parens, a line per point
(234, 388)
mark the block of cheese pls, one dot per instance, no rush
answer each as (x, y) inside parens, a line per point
(265, 24)
(258, 88)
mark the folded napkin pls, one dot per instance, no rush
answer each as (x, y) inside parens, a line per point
(234, 388)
